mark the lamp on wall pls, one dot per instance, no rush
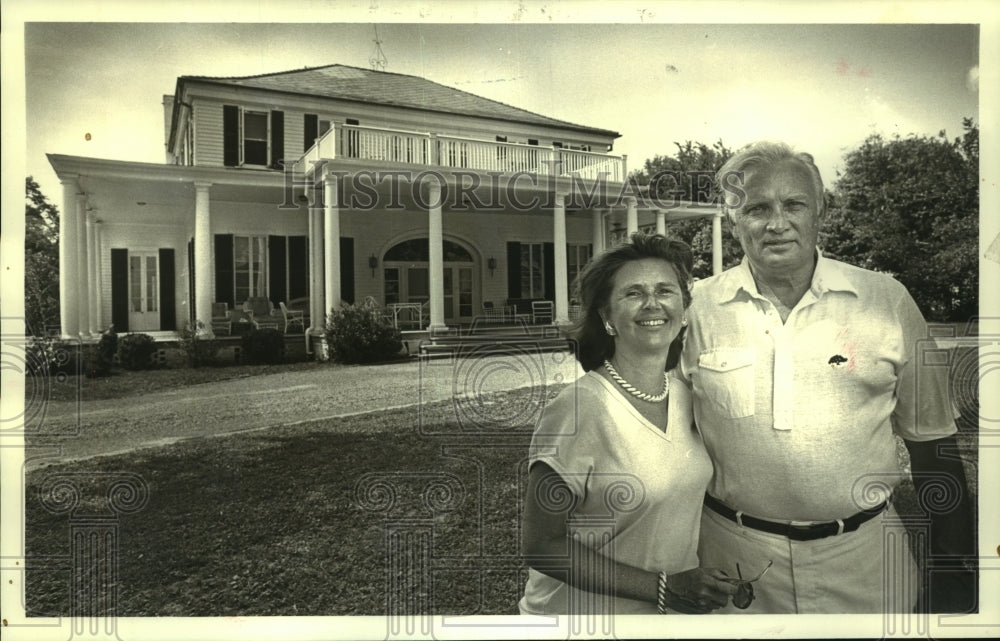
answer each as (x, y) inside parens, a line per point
(491, 264)
(373, 264)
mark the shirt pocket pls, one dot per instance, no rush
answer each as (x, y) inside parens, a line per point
(726, 381)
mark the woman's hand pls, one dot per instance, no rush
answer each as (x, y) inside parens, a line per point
(698, 591)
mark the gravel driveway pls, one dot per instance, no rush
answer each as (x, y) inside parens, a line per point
(276, 400)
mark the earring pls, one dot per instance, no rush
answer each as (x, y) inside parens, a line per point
(609, 328)
(684, 322)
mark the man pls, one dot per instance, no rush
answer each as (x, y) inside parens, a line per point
(802, 370)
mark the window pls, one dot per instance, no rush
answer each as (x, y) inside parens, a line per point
(532, 270)
(576, 257)
(255, 137)
(249, 277)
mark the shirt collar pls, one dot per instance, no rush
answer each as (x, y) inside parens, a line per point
(829, 275)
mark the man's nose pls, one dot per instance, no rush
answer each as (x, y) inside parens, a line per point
(778, 220)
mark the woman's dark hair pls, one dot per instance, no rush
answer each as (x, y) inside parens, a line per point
(593, 289)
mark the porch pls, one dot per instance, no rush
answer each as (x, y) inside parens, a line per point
(381, 145)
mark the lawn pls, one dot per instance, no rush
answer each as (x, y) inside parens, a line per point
(299, 521)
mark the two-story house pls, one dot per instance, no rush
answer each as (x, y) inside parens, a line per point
(337, 184)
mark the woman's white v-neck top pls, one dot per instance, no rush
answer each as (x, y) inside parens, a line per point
(639, 490)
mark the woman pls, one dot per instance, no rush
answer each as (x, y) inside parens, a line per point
(617, 471)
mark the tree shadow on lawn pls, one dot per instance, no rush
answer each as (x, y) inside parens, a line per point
(295, 522)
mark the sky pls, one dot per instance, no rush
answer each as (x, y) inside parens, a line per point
(95, 89)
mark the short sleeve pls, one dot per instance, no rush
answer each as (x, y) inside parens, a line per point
(924, 409)
(565, 439)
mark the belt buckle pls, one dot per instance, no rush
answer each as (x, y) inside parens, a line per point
(814, 530)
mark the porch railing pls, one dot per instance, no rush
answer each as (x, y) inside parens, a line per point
(394, 145)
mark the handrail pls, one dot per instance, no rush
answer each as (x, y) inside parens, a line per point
(363, 142)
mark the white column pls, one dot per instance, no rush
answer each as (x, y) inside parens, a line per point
(317, 295)
(597, 230)
(717, 243)
(92, 291)
(80, 265)
(98, 277)
(631, 217)
(331, 236)
(559, 257)
(69, 314)
(661, 222)
(435, 237)
(203, 257)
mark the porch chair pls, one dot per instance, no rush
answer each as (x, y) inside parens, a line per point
(261, 312)
(292, 317)
(222, 319)
(541, 310)
(492, 314)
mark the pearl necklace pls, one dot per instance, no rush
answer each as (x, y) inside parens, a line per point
(633, 391)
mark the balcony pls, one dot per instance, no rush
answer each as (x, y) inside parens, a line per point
(382, 145)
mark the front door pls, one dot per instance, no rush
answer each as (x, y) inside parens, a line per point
(143, 291)
(411, 284)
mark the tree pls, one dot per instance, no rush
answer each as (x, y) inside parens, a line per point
(910, 207)
(41, 260)
(689, 175)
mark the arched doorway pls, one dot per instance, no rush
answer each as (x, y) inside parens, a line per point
(406, 275)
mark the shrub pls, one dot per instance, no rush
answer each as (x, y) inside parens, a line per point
(197, 349)
(264, 346)
(98, 358)
(135, 350)
(47, 356)
(358, 335)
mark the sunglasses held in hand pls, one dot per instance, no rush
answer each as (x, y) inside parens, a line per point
(744, 587)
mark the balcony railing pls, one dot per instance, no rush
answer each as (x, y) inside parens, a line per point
(393, 145)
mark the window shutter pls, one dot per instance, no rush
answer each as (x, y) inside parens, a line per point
(277, 139)
(346, 271)
(168, 294)
(298, 267)
(549, 260)
(119, 289)
(224, 292)
(513, 270)
(276, 289)
(311, 131)
(230, 135)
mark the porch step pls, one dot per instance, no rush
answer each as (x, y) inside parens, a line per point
(480, 341)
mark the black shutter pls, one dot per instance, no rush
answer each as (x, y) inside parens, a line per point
(276, 289)
(277, 139)
(191, 297)
(224, 269)
(230, 135)
(549, 260)
(310, 127)
(298, 267)
(513, 270)
(346, 271)
(168, 295)
(119, 289)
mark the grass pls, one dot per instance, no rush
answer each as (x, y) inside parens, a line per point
(298, 521)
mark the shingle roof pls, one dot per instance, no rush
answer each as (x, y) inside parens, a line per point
(381, 87)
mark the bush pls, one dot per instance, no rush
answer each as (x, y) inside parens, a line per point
(264, 346)
(135, 351)
(357, 335)
(98, 358)
(47, 356)
(199, 351)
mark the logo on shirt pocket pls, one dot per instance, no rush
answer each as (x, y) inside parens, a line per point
(727, 381)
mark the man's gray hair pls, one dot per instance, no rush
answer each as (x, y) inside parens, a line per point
(764, 153)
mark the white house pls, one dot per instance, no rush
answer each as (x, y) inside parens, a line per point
(336, 184)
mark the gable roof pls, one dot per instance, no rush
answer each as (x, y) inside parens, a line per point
(394, 89)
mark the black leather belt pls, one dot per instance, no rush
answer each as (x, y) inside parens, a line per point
(795, 532)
